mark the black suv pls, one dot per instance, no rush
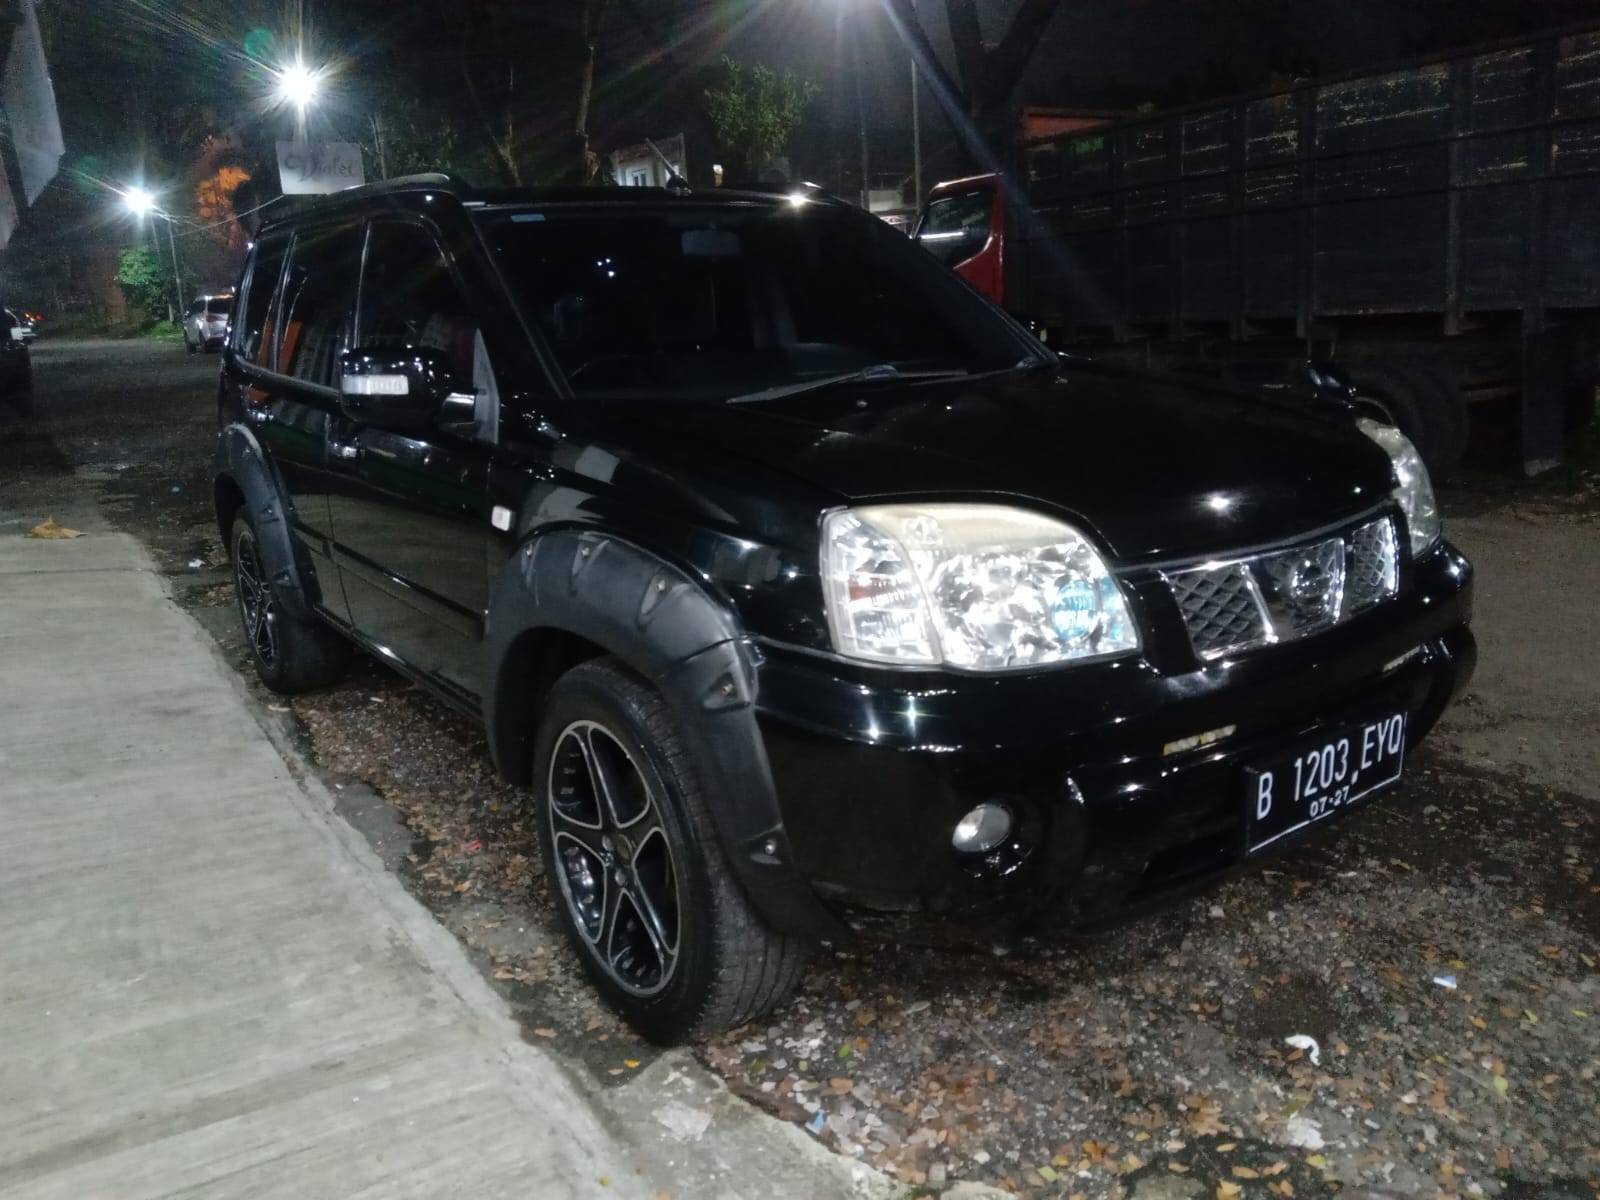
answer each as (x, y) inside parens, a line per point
(797, 579)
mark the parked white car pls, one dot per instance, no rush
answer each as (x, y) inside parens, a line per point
(205, 323)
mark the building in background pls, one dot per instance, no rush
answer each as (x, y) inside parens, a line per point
(651, 163)
(33, 144)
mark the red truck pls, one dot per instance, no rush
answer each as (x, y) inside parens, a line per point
(1434, 227)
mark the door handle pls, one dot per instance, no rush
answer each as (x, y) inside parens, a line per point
(344, 451)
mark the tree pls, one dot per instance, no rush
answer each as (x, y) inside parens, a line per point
(987, 72)
(755, 112)
(143, 281)
(408, 137)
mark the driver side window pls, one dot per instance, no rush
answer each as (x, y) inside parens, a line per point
(409, 299)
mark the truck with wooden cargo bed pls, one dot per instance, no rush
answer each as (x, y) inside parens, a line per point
(1434, 227)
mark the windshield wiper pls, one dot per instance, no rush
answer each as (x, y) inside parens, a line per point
(878, 371)
(875, 371)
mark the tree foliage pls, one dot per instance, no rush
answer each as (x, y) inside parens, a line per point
(143, 282)
(407, 137)
(755, 111)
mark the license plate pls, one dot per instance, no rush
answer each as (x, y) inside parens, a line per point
(1335, 771)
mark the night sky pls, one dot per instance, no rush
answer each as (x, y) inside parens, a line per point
(142, 83)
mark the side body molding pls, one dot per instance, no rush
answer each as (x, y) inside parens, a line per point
(672, 631)
(239, 458)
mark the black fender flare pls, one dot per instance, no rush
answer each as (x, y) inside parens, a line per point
(240, 459)
(690, 646)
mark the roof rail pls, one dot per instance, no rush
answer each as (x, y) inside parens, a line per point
(438, 179)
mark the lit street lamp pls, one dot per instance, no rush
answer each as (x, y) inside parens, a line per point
(298, 86)
(141, 202)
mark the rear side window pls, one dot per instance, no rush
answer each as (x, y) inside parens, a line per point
(195, 309)
(252, 342)
(319, 292)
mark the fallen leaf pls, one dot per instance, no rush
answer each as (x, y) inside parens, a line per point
(1228, 1191)
(50, 531)
(545, 1031)
(1246, 1173)
(630, 1063)
(1048, 1174)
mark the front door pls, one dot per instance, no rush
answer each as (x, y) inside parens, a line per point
(411, 519)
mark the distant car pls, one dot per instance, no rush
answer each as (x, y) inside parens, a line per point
(16, 364)
(205, 324)
(21, 327)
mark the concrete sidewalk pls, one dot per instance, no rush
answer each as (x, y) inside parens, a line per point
(210, 986)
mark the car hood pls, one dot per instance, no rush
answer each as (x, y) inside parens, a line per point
(1154, 467)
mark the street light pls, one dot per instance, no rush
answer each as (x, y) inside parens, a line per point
(141, 202)
(298, 85)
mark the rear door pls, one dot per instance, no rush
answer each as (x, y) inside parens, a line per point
(295, 345)
(411, 520)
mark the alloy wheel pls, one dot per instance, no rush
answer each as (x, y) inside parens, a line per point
(257, 604)
(613, 860)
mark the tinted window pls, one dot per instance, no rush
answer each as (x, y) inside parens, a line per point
(319, 292)
(725, 301)
(409, 299)
(219, 308)
(195, 309)
(956, 227)
(248, 335)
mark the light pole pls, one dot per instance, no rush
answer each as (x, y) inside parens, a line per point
(141, 202)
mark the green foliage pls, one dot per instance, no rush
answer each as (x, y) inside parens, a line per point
(755, 111)
(143, 282)
(413, 138)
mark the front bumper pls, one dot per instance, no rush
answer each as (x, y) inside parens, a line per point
(873, 768)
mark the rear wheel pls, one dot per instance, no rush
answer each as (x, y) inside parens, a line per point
(643, 887)
(291, 653)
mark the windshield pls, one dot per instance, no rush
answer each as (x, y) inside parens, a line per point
(219, 307)
(725, 301)
(954, 228)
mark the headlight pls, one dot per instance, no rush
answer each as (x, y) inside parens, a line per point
(1414, 490)
(980, 587)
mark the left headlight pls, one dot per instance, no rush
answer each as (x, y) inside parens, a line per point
(980, 587)
(1413, 489)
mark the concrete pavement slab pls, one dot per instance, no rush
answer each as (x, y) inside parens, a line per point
(209, 985)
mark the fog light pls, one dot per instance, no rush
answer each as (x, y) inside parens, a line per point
(982, 829)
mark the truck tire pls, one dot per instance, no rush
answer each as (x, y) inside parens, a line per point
(291, 654)
(636, 868)
(1443, 415)
(1423, 403)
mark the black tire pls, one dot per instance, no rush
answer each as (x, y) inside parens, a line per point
(1424, 402)
(290, 654)
(726, 967)
(188, 345)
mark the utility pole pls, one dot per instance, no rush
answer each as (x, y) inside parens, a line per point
(916, 144)
(861, 117)
(177, 276)
(916, 136)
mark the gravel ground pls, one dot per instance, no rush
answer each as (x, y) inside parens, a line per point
(1433, 959)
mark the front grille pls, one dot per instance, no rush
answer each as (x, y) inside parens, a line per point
(1220, 607)
(1281, 595)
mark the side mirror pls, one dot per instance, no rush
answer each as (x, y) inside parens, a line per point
(402, 389)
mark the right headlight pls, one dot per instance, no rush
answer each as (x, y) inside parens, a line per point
(1413, 489)
(979, 587)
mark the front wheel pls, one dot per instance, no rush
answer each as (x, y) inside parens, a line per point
(291, 654)
(643, 887)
